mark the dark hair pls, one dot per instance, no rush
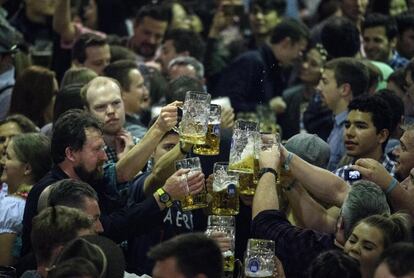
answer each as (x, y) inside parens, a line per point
(351, 71)
(394, 228)
(409, 68)
(398, 77)
(24, 123)
(379, 109)
(121, 53)
(269, 5)
(396, 106)
(381, 6)
(155, 11)
(56, 226)
(334, 264)
(186, 40)
(34, 149)
(404, 21)
(70, 193)
(75, 267)
(194, 253)
(291, 28)
(69, 131)
(32, 93)
(180, 86)
(399, 258)
(340, 37)
(379, 20)
(119, 70)
(84, 41)
(68, 98)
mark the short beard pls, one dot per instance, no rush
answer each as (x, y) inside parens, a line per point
(89, 177)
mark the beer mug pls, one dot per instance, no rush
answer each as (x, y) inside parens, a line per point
(243, 150)
(259, 260)
(225, 190)
(225, 225)
(196, 201)
(194, 122)
(212, 145)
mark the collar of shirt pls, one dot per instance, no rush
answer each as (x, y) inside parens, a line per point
(340, 118)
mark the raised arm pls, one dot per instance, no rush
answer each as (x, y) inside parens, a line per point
(136, 158)
(266, 197)
(321, 183)
(308, 212)
(62, 21)
(401, 195)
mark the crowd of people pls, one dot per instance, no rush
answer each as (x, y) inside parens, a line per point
(91, 95)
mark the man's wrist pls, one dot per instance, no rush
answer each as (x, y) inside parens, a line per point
(266, 170)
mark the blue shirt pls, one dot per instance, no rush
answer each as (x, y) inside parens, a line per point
(397, 61)
(336, 140)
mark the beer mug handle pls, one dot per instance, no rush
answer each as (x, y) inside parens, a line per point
(179, 118)
(238, 269)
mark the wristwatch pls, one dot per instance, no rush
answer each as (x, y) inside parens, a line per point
(268, 170)
(165, 198)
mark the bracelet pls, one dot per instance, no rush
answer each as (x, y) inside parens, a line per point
(268, 170)
(287, 161)
(393, 184)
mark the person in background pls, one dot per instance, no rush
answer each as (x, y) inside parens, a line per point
(34, 95)
(188, 255)
(27, 160)
(396, 261)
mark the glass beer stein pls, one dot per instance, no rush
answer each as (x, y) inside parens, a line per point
(259, 260)
(194, 122)
(196, 201)
(212, 145)
(225, 190)
(243, 149)
(226, 226)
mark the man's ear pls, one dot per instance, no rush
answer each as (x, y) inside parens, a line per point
(346, 90)
(70, 154)
(383, 135)
(393, 43)
(27, 169)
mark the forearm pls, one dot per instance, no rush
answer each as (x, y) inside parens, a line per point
(265, 197)
(62, 22)
(162, 170)
(308, 212)
(323, 184)
(136, 159)
(6, 246)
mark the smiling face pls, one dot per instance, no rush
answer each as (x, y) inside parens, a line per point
(376, 44)
(310, 71)
(263, 21)
(361, 138)
(365, 244)
(13, 168)
(106, 104)
(148, 35)
(405, 154)
(136, 99)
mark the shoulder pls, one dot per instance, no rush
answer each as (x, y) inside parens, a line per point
(11, 214)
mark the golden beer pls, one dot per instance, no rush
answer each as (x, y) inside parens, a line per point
(226, 201)
(193, 133)
(245, 165)
(228, 263)
(197, 201)
(246, 184)
(212, 141)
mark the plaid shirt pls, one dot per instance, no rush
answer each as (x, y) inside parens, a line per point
(386, 162)
(397, 61)
(111, 152)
